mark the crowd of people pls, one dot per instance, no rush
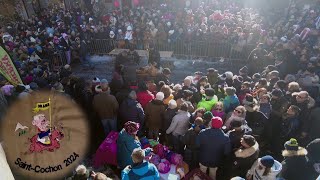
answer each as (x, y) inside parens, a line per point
(259, 123)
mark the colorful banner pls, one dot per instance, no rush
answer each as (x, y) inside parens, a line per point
(7, 68)
(41, 107)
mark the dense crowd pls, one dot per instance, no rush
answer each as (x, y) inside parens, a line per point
(259, 123)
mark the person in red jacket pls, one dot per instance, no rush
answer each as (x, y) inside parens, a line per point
(144, 96)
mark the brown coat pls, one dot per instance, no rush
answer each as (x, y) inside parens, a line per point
(105, 105)
(154, 114)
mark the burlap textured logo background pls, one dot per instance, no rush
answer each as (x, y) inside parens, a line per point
(40, 148)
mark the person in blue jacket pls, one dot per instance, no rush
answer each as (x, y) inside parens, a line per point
(231, 100)
(127, 142)
(140, 169)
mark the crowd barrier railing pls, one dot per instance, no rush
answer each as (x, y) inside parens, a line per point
(179, 48)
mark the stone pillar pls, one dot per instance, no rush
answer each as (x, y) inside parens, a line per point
(29, 7)
(22, 9)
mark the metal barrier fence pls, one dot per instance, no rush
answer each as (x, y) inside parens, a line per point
(57, 60)
(179, 48)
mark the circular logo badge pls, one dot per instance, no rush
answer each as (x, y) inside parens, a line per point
(45, 136)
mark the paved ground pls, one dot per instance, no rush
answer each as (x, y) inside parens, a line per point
(103, 67)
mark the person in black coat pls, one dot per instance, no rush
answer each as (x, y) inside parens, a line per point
(313, 167)
(255, 118)
(279, 107)
(245, 156)
(189, 140)
(131, 110)
(295, 163)
(164, 77)
(212, 155)
(65, 45)
(238, 130)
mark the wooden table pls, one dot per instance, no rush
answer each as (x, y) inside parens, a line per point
(143, 53)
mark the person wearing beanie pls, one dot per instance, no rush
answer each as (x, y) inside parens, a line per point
(154, 116)
(127, 142)
(179, 126)
(207, 116)
(231, 100)
(211, 155)
(186, 97)
(209, 100)
(254, 117)
(106, 106)
(169, 113)
(245, 156)
(140, 169)
(264, 168)
(189, 140)
(295, 163)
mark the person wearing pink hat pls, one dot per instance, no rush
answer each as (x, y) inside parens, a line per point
(211, 154)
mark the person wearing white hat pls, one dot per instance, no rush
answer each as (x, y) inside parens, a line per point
(154, 116)
(129, 33)
(65, 45)
(111, 34)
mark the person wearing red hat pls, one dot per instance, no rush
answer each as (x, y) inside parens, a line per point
(211, 155)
